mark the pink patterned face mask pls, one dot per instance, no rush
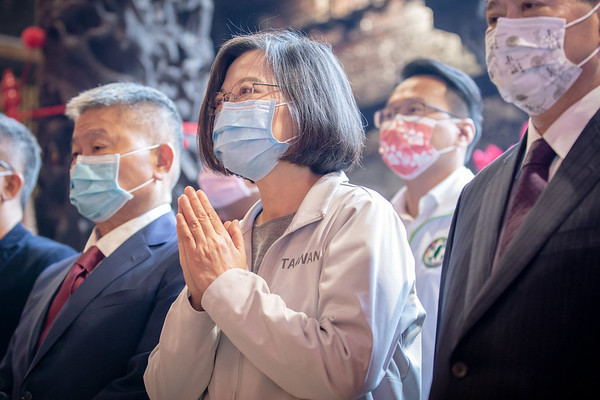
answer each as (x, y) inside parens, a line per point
(405, 145)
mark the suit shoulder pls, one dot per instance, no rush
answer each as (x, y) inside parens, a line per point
(486, 175)
(42, 251)
(41, 244)
(349, 194)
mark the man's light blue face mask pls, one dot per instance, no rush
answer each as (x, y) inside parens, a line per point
(95, 190)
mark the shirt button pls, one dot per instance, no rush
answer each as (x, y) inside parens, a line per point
(26, 396)
(459, 370)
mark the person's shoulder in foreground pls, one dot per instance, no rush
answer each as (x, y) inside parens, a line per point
(126, 145)
(516, 283)
(23, 255)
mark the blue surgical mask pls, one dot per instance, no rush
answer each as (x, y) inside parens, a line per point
(243, 140)
(95, 189)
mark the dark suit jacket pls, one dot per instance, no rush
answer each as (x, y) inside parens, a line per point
(530, 329)
(99, 343)
(23, 256)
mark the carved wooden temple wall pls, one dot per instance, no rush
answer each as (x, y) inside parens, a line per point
(170, 44)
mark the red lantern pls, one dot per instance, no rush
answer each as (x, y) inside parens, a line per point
(33, 37)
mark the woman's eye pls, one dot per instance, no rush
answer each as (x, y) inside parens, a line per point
(491, 21)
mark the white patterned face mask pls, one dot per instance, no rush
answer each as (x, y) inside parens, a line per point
(526, 60)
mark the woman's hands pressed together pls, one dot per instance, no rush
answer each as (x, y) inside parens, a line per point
(207, 247)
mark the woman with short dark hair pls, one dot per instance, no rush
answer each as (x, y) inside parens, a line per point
(312, 294)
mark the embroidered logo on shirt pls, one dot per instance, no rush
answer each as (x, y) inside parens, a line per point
(287, 263)
(434, 254)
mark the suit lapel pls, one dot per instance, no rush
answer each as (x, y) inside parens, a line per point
(489, 221)
(44, 303)
(577, 175)
(127, 256)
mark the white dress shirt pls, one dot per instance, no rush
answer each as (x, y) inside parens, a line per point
(427, 234)
(563, 132)
(115, 238)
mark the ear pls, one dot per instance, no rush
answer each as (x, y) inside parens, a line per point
(11, 187)
(466, 133)
(165, 155)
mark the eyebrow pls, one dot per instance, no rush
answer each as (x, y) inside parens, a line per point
(95, 132)
(247, 79)
(92, 133)
(490, 4)
(408, 100)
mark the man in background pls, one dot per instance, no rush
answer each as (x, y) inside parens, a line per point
(231, 196)
(23, 255)
(428, 129)
(91, 321)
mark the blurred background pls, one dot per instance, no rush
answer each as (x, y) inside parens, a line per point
(50, 50)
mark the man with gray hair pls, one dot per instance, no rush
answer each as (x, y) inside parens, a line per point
(91, 321)
(23, 255)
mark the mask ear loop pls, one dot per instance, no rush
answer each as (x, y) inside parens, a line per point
(586, 16)
(578, 20)
(588, 58)
(447, 149)
(149, 181)
(141, 186)
(285, 103)
(140, 150)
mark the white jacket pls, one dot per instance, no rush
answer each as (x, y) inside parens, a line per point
(331, 314)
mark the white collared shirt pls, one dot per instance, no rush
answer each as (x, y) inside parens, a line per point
(563, 132)
(427, 235)
(115, 238)
(441, 199)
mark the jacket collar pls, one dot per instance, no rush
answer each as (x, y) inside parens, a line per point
(131, 253)
(313, 207)
(12, 241)
(577, 175)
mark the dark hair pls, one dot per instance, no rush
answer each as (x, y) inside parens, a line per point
(464, 96)
(16, 138)
(313, 83)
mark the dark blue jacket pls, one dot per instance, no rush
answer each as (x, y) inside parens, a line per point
(23, 256)
(529, 329)
(98, 346)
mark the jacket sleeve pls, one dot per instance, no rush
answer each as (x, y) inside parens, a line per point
(446, 259)
(366, 310)
(180, 366)
(6, 373)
